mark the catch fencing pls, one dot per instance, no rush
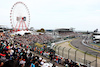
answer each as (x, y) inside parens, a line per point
(76, 56)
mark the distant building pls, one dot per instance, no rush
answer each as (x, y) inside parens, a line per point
(3, 28)
(32, 29)
(1, 32)
(49, 30)
(64, 31)
(96, 37)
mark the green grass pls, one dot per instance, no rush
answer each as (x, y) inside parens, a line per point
(98, 44)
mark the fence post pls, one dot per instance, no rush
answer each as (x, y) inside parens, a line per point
(89, 64)
(68, 52)
(75, 54)
(63, 51)
(55, 48)
(85, 56)
(96, 60)
(58, 49)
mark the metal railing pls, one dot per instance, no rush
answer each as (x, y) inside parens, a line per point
(62, 51)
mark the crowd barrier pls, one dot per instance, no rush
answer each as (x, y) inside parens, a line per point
(69, 53)
(83, 42)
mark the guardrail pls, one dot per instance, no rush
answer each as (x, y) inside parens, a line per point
(73, 55)
(65, 53)
(54, 45)
(62, 41)
(89, 45)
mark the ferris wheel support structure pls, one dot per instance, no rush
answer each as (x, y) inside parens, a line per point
(19, 16)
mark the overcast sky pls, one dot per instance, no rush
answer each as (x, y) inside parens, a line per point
(51, 14)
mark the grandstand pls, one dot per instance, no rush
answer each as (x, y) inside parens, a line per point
(3, 28)
(65, 32)
(17, 48)
(96, 37)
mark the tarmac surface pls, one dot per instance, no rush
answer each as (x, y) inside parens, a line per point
(78, 44)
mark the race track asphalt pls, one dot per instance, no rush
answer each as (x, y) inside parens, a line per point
(78, 44)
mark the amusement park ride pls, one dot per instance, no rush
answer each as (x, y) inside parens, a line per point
(19, 17)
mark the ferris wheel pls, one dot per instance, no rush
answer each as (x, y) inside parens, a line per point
(19, 16)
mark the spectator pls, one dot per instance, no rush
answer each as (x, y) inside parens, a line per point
(1, 63)
(54, 65)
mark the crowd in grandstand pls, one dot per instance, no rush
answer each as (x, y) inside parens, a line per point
(13, 54)
(33, 38)
(69, 34)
